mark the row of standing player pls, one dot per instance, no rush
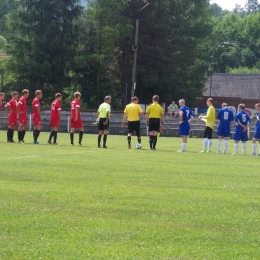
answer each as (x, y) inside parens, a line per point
(154, 120)
(17, 110)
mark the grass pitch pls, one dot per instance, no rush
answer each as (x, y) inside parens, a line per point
(63, 202)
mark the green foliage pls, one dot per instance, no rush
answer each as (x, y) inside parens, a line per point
(244, 70)
(42, 44)
(63, 202)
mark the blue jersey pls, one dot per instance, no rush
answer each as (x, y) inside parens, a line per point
(257, 125)
(243, 118)
(186, 114)
(225, 116)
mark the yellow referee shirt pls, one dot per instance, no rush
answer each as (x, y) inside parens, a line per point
(133, 112)
(103, 109)
(155, 110)
(210, 117)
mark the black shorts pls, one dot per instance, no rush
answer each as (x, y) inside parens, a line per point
(208, 132)
(101, 126)
(134, 126)
(154, 124)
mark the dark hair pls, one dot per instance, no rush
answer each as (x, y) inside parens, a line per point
(25, 91)
(14, 93)
(38, 92)
(224, 105)
(257, 105)
(134, 98)
(156, 98)
(210, 100)
(58, 95)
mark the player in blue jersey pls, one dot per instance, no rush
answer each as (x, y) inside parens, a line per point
(186, 116)
(242, 123)
(226, 117)
(257, 131)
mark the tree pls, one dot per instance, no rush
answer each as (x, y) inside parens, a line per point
(252, 6)
(42, 44)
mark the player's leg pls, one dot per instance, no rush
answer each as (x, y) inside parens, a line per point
(55, 135)
(225, 144)
(205, 141)
(25, 127)
(20, 132)
(81, 132)
(210, 140)
(100, 133)
(244, 139)
(37, 133)
(51, 135)
(237, 138)
(105, 138)
(138, 131)
(219, 144)
(72, 131)
(155, 132)
(130, 132)
(253, 147)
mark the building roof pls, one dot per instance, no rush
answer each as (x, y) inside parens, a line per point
(246, 86)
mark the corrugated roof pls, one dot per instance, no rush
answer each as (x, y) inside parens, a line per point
(234, 85)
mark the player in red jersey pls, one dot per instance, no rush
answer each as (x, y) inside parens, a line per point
(55, 118)
(37, 120)
(12, 118)
(22, 114)
(75, 119)
(2, 97)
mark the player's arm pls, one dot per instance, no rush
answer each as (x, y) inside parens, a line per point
(39, 111)
(19, 112)
(209, 113)
(181, 116)
(76, 113)
(191, 116)
(147, 117)
(59, 113)
(124, 119)
(7, 106)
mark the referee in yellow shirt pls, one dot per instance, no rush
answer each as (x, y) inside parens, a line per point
(209, 119)
(154, 119)
(132, 112)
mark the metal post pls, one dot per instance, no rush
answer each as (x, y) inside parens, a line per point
(135, 57)
(68, 123)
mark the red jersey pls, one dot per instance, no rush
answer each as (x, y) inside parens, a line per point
(12, 104)
(75, 104)
(35, 105)
(55, 109)
(22, 103)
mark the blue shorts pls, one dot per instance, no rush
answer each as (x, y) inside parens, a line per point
(257, 135)
(222, 133)
(184, 130)
(241, 136)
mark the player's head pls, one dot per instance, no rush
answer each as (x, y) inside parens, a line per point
(224, 105)
(38, 94)
(135, 100)
(257, 106)
(25, 93)
(173, 102)
(155, 98)
(107, 99)
(241, 107)
(210, 102)
(77, 95)
(2, 96)
(15, 95)
(181, 102)
(58, 96)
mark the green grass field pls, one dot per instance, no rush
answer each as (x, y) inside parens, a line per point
(63, 202)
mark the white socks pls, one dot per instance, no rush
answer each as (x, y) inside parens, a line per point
(243, 148)
(205, 143)
(219, 146)
(210, 144)
(225, 146)
(184, 146)
(236, 147)
(254, 148)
